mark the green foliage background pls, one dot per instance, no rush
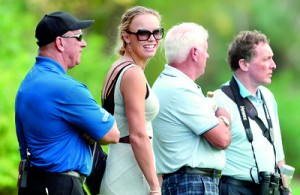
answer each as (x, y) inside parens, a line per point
(279, 20)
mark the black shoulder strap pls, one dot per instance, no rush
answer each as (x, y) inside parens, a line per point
(232, 91)
(108, 88)
(250, 110)
(108, 101)
(246, 108)
(236, 97)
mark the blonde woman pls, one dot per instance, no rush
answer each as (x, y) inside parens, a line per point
(130, 165)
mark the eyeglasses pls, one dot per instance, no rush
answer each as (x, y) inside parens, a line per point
(144, 35)
(79, 37)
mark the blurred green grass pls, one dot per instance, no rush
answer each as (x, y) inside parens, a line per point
(296, 186)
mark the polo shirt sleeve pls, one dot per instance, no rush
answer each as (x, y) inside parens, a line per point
(82, 111)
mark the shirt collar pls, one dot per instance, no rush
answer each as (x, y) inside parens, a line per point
(244, 91)
(174, 72)
(48, 62)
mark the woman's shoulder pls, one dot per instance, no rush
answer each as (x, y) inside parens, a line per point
(133, 72)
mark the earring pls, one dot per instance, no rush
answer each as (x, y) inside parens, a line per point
(129, 47)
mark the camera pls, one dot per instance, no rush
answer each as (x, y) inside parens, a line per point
(268, 183)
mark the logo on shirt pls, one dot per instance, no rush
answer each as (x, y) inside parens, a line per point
(105, 114)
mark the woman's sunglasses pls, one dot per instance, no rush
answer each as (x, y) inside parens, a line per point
(144, 35)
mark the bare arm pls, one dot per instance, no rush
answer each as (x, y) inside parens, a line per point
(112, 136)
(133, 89)
(280, 163)
(220, 136)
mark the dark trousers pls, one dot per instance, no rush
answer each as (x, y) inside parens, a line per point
(228, 186)
(44, 183)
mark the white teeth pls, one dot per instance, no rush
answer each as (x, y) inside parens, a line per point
(149, 47)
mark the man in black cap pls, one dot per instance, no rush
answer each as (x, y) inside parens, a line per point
(53, 111)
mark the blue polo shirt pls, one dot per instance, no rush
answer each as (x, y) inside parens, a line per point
(52, 110)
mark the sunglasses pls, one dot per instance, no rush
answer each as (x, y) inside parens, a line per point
(79, 37)
(144, 35)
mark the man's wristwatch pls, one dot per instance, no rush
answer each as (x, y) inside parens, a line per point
(225, 120)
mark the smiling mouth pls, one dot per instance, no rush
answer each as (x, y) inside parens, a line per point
(149, 47)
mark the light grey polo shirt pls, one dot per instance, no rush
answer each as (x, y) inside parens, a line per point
(240, 161)
(183, 117)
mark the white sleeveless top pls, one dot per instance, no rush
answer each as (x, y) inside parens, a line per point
(123, 175)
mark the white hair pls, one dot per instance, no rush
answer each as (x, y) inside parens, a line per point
(181, 38)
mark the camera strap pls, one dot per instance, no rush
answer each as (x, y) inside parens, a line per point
(247, 109)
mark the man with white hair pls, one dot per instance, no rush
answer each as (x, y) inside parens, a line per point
(189, 136)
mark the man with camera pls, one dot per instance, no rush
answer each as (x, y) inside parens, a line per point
(255, 155)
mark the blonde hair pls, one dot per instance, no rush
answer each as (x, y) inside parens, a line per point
(126, 20)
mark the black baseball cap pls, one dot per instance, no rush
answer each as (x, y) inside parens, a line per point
(56, 24)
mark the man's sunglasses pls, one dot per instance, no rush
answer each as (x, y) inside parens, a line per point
(144, 35)
(79, 37)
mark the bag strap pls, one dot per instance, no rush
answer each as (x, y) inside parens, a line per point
(107, 92)
(108, 89)
(107, 99)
